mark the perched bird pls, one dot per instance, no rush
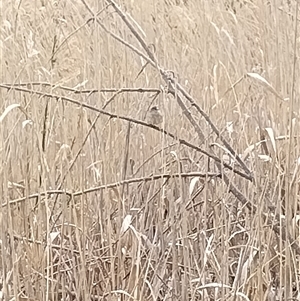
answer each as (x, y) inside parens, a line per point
(154, 116)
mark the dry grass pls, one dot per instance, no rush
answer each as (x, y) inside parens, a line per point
(99, 205)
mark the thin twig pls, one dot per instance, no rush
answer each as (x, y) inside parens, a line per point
(136, 121)
(113, 185)
(86, 91)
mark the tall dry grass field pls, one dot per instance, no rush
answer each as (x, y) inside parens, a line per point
(100, 204)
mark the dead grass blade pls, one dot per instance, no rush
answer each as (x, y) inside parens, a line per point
(7, 110)
(262, 81)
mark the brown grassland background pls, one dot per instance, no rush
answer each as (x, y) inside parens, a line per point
(97, 203)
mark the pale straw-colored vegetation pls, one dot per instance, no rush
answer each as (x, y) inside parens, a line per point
(97, 204)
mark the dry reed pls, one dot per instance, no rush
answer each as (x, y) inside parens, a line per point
(99, 204)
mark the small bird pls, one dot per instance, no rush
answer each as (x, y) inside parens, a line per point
(154, 116)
